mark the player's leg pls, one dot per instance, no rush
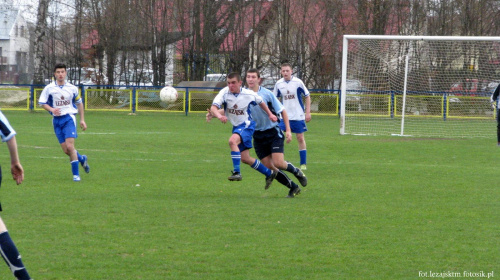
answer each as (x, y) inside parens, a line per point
(234, 141)
(299, 127)
(254, 163)
(498, 127)
(245, 146)
(69, 147)
(69, 131)
(65, 130)
(11, 255)
(9, 251)
(278, 160)
(302, 150)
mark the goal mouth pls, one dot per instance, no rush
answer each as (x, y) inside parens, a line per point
(420, 86)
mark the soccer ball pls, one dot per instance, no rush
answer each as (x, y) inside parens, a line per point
(168, 94)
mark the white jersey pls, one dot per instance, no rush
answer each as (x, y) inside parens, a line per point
(63, 97)
(6, 131)
(262, 121)
(291, 93)
(237, 107)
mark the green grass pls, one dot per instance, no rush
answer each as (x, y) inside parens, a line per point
(157, 204)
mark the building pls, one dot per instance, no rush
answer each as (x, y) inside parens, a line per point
(14, 45)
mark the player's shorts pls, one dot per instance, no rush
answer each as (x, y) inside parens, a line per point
(64, 127)
(245, 131)
(295, 126)
(268, 142)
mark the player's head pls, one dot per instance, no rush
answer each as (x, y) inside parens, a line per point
(286, 71)
(59, 66)
(253, 79)
(60, 72)
(234, 82)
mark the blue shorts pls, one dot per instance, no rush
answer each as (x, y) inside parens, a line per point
(295, 126)
(64, 127)
(246, 132)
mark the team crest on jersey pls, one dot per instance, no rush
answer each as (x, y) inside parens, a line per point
(62, 102)
(235, 111)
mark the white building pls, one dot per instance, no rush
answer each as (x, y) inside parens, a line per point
(14, 44)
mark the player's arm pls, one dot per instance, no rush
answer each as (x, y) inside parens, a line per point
(288, 132)
(209, 115)
(79, 106)
(54, 111)
(494, 96)
(271, 116)
(15, 165)
(308, 108)
(215, 112)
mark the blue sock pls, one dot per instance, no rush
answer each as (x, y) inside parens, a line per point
(80, 158)
(303, 156)
(74, 167)
(236, 156)
(257, 165)
(11, 257)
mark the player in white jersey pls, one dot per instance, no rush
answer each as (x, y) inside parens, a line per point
(293, 92)
(237, 102)
(62, 100)
(8, 249)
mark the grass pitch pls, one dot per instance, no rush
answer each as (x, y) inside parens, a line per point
(157, 204)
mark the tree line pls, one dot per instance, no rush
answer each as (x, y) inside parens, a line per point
(197, 37)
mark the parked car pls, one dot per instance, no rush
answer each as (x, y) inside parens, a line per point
(470, 87)
(86, 76)
(268, 82)
(137, 77)
(215, 77)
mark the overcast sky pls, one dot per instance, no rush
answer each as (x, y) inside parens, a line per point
(29, 7)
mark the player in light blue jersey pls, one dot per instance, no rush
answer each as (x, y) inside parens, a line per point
(62, 100)
(293, 92)
(237, 103)
(269, 139)
(8, 249)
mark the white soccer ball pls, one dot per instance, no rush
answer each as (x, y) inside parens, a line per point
(168, 94)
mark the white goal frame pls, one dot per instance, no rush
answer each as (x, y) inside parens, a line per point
(344, 77)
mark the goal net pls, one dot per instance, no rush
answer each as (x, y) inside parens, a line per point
(422, 86)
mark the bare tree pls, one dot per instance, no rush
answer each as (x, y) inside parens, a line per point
(40, 34)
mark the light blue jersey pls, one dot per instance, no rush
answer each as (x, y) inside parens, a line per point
(260, 116)
(6, 131)
(63, 97)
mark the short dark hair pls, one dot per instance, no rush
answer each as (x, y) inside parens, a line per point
(233, 75)
(59, 65)
(286, 65)
(254, 70)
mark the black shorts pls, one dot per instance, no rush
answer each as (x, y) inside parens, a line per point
(268, 141)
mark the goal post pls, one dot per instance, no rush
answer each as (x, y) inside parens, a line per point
(424, 86)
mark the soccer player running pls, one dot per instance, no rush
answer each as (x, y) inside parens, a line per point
(63, 101)
(8, 249)
(268, 137)
(292, 91)
(237, 102)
